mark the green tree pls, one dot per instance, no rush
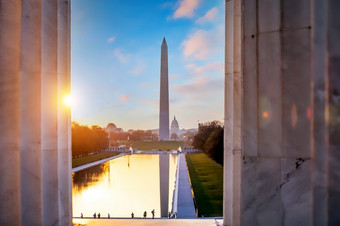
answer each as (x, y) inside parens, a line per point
(209, 139)
(203, 134)
(214, 145)
(87, 140)
(137, 135)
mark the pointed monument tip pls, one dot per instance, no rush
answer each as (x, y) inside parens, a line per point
(164, 41)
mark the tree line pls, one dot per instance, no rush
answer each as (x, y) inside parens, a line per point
(209, 139)
(86, 140)
(137, 135)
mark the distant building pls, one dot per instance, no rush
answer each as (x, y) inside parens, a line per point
(174, 129)
(111, 127)
(174, 126)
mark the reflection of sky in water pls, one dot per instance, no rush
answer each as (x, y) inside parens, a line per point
(121, 186)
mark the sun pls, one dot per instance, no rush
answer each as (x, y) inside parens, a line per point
(68, 100)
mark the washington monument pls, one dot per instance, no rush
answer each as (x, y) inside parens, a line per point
(164, 95)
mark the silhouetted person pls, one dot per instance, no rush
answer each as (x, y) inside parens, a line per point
(108, 215)
(153, 213)
(81, 215)
(98, 215)
(169, 215)
(144, 214)
(132, 215)
(94, 215)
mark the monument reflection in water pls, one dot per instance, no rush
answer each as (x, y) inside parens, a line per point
(121, 186)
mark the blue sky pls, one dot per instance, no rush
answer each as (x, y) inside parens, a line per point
(115, 69)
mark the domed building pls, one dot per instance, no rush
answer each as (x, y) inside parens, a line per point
(174, 129)
(111, 126)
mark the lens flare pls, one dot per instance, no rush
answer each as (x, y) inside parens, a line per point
(68, 100)
(265, 114)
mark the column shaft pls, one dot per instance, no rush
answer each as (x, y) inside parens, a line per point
(30, 113)
(228, 115)
(10, 50)
(49, 123)
(237, 114)
(333, 111)
(249, 111)
(64, 120)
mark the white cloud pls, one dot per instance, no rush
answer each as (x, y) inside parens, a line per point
(122, 58)
(124, 98)
(202, 44)
(186, 8)
(138, 70)
(214, 66)
(190, 66)
(210, 16)
(112, 39)
(201, 85)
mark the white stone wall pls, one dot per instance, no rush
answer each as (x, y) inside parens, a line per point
(35, 154)
(282, 139)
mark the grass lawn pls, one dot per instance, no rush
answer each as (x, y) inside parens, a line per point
(92, 158)
(207, 181)
(149, 145)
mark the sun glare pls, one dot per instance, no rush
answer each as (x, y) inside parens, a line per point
(68, 100)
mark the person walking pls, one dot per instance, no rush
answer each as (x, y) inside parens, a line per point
(132, 215)
(144, 214)
(153, 213)
(98, 215)
(94, 215)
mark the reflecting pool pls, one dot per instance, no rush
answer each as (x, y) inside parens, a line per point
(121, 186)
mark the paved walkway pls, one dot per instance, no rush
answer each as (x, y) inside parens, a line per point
(185, 203)
(148, 222)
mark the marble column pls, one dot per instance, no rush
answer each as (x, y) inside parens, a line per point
(34, 69)
(237, 113)
(30, 113)
(164, 183)
(228, 115)
(64, 119)
(10, 51)
(297, 198)
(249, 112)
(290, 112)
(333, 111)
(49, 116)
(319, 124)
